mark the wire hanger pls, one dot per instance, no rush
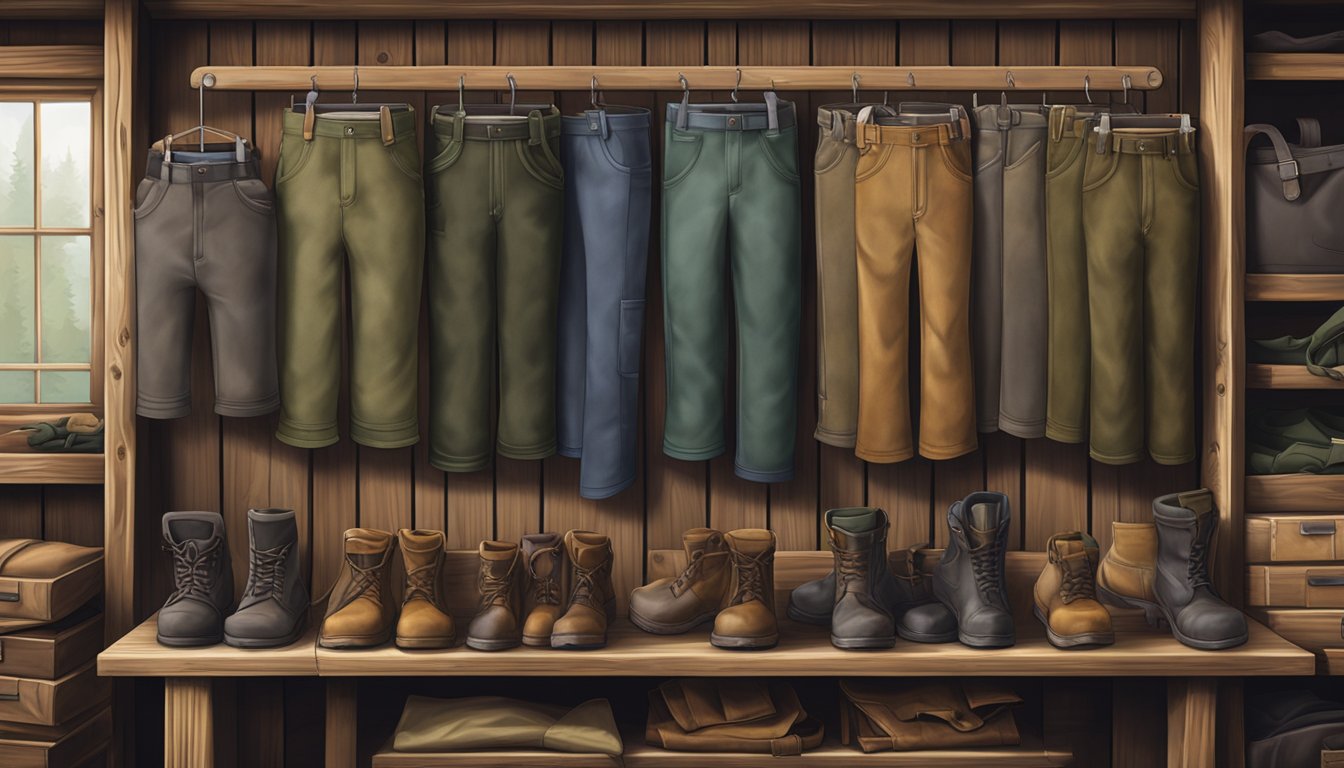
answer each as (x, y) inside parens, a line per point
(854, 88)
(596, 97)
(461, 94)
(513, 92)
(310, 103)
(736, 85)
(239, 143)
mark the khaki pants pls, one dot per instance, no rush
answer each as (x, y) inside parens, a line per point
(1141, 224)
(913, 194)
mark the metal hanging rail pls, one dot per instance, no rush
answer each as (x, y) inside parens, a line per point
(447, 78)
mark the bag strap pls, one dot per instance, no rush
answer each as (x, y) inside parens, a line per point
(1289, 169)
(1308, 132)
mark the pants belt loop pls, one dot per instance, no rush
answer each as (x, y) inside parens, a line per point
(535, 130)
(772, 112)
(1057, 117)
(603, 125)
(385, 123)
(459, 121)
(309, 123)
(684, 112)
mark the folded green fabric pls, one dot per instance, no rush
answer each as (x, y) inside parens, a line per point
(1292, 441)
(1320, 352)
(80, 433)
(495, 722)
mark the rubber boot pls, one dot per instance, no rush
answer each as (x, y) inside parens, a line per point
(424, 621)
(748, 623)
(545, 563)
(497, 626)
(360, 612)
(1064, 598)
(673, 605)
(274, 608)
(592, 600)
(203, 580)
(1199, 618)
(969, 579)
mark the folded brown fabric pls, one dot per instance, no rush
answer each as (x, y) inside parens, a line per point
(902, 715)
(495, 722)
(45, 581)
(730, 715)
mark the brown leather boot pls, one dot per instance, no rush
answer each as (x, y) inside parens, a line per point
(749, 620)
(360, 611)
(592, 601)
(544, 559)
(424, 622)
(1129, 569)
(496, 626)
(1065, 595)
(671, 605)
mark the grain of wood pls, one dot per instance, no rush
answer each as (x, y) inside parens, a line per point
(1294, 66)
(1294, 288)
(1191, 709)
(75, 514)
(46, 468)
(138, 654)
(342, 723)
(1139, 738)
(188, 724)
(51, 62)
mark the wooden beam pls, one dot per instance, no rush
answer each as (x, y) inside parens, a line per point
(671, 9)
(51, 468)
(51, 62)
(342, 723)
(188, 721)
(546, 78)
(51, 9)
(1191, 707)
(1294, 66)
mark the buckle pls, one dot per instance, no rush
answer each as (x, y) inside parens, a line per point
(1291, 174)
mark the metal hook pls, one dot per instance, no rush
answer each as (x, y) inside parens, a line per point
(461, 94)
(1125, 83)
(854, 87)
(200, 93)
(513, 92)
(354, 95)
(592, 93)
(737, 85)
(1009, 78)
(1087, 87)
(910, 79)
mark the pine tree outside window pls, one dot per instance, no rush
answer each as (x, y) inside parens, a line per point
(50, 253)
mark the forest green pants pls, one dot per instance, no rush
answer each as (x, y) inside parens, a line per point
(496, 213)
(353, 190)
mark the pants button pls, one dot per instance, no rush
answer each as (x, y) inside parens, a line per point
(1143, 145)
(732, 121)
(349, 130)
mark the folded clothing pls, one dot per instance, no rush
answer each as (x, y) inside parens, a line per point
(730, 715)
(495, 722)
(1275, 41)
(901, 715)
(1320, 352)
(1291, 441)
(1290, 728)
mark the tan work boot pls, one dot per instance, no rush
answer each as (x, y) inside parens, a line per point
(749, 620)
(1129, 569)
(592, 601)
(360, 610)
(496, 626)
(544, 560)
(424, 621)
(673, 605)
(1065, 596)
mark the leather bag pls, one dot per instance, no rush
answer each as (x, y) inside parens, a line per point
(877, 715)
(1294, 193)
(730, 715)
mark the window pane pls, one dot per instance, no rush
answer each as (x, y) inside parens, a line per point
(17, 387)
(16, 164)
(65, 386)
(66, 305)
(67, 135)
(18, 295)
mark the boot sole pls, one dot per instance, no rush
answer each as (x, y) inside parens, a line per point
(803, 617)
(578, 642)
(1072, 641)
(920, 637)
(863, 643)
(481, 644)
(265, 642)
(659, 628)
(1156, 615)
(537, 641)
(354, 641)
(424, 644)
(190, 642)
(986, 641)
(743, 643)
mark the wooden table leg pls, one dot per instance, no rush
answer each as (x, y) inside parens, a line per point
(188, 724)
(1192, 709)
(341, 723)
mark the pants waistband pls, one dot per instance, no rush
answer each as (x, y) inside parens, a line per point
(601, 122)
(402, 128)
(839, 119)
(201, 172)
(912, 135)
(536, 124)
(731, 117)
(1131, 142)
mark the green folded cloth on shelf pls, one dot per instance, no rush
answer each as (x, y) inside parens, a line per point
(495, 722)
(79, 433)
(1320, 352)
(1293, 441)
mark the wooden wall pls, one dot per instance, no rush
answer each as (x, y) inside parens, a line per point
(224, 464)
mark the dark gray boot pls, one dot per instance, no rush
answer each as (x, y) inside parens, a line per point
(970, 578)
(860, 617)
(919, 617)
(203, 577)
(1198, 617)
(274, 607)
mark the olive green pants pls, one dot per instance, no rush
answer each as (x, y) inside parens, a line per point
(1141, 226)
(731, 190)
(350, 191)
(496, 211)
(1067, 345)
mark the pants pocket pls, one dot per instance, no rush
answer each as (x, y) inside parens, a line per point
(631, 332)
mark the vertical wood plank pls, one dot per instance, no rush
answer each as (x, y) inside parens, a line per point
(1086, 41)
(1191, 707)
(188, 727)
(1154, 43)
(1139, 737)
(342, 722)
(21, 512)
(74, 514)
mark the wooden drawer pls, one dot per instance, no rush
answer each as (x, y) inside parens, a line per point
(1332, 758)
(1295, 586)
(52, 702)
(38, 746)
(1314, 630)
(53, 650)
(45, 600)
(1294, 538)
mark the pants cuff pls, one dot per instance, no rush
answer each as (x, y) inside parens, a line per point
(944, 452)
(1022, 428)
(605, 492)
(1184, 458)
(397, 434)
(702, 454)
(1063, 433)
(1116, 459)
(759, 476)
(837, 439)
(245, 408)
(526, 452)
(570, 452)
(163, 409)
(884, 457)
(307, 437)
(452, 464)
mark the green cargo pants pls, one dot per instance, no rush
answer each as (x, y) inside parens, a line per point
(1141, 226)
(351, 188)
(731, 188)
(496, 212)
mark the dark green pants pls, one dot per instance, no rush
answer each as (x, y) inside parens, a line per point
(730, 191)
(496, 207)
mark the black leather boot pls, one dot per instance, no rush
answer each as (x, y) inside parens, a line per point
(919, 617)
(1198, 617)
(203, 577)
(860, 617)
(969, 579)
(274, 607)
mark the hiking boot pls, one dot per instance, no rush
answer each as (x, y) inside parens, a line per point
(592, 600)
(1199, 618)
(425, 621)
(1065, 595)
(274, 608)
(360, 609)
(673, 605)
(861, 617)
(544, 560)
(749, 620)
(1126, 574)
(202, 577)
(920, 618)
(969, 579)
(496, 626)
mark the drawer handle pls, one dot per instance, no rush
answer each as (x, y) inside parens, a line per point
(9, 697)
(1317, 529)
(1325, 581)
(9, 597)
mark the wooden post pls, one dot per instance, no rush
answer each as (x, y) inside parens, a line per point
(1192, 705)
(342, 704)
(188, 723)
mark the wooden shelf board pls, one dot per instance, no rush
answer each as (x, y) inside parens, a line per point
(1295, 66)
(139, 654)
(51, 468)
(1333, 661)
(1314, 629)
(1294, 493)
(1262, 376)
(1295, 287)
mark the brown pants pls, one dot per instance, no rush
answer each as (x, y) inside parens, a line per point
(913, 193)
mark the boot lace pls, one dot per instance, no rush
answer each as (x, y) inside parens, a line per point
(366, 581)
(985, 566)
(545, 591)
(585, 584)
(1198, 567)
(1077, 583)
(494, 588)
(193, 566)
(420, 582)
(751, 576)
(267, 570)
(688, 574)
(853, 568)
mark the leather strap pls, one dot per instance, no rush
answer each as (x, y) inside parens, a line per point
(786, 746)
(1292, 168)
(1308, 132)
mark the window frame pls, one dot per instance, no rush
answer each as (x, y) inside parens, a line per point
(18, 413)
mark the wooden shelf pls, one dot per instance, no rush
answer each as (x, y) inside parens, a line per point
(138, 654)
(1333, 661)
(1295, 66)
(1314, 629)
(1295, 287)
(51, 468)
(1294, 493)
(1262, 376)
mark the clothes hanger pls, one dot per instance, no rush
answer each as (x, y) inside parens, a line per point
(310, 102)
(496, 110)
(599, 101)
(239, 143)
